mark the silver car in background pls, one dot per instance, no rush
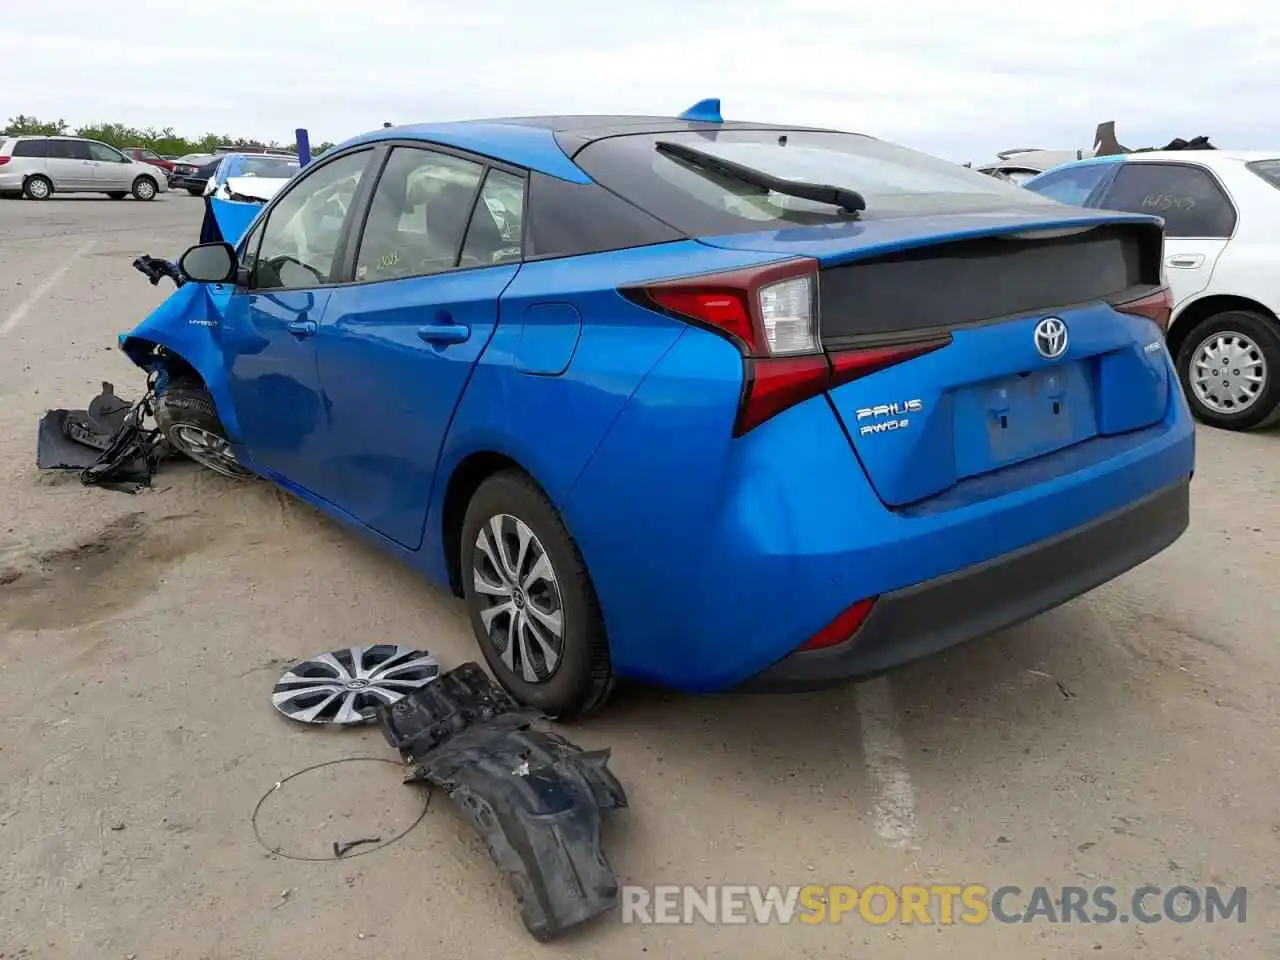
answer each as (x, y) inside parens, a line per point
(38, 167)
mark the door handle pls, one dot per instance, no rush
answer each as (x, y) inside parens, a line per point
(1185, 260)
(301, 328)
(445, 333)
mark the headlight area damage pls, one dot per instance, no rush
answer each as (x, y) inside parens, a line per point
(534, 797)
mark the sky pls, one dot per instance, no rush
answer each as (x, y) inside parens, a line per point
(960, 80)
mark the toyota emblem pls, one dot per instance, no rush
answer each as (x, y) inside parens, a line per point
(1051, 338)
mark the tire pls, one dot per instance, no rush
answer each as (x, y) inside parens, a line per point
(194, 192)
(144, 188)
(580, 680)
(1255, 340)
(185, 412)
(37, 188)
(118, 194)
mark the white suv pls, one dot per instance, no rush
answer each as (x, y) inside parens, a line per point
(38, 167)
(1222, 259)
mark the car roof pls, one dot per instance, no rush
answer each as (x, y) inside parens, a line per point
(1209, 158)
(546, 143)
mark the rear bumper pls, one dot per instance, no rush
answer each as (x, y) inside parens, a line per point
(978, 600)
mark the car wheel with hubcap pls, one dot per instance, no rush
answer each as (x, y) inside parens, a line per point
(530, 600)
(188, 419)
(144, 188)
(37, 188)
(1228, 365)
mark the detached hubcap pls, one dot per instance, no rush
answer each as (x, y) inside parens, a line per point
(207, 449)
(1228, 372)
(521, 608)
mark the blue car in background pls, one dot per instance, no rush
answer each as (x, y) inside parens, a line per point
(702, 403)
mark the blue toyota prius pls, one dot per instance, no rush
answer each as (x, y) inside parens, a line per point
(709, 404)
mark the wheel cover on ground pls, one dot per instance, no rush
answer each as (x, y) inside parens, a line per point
(1228, 372)
(207, 449)
(521, 610)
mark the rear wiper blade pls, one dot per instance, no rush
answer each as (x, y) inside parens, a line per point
(851, 201)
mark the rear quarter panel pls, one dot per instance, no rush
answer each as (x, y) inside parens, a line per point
(546, 398)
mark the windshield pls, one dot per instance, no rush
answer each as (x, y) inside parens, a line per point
(894, 181)
(278, 168)
(1268, 170)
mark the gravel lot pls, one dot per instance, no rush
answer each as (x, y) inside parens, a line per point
(1130, 737)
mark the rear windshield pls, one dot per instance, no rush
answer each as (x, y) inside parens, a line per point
(894, 181)
(1268, 170)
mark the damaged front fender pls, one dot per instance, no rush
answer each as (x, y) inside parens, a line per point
(186, 329)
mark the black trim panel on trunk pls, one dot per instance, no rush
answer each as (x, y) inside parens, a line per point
(967, 281)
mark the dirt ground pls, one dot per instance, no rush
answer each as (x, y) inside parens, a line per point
(1130, 737)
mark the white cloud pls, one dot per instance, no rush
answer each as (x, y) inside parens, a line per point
(959, 79)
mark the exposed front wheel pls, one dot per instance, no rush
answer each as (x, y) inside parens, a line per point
(530, 600)
(188, 419)
(144, 188)
(1229, 365)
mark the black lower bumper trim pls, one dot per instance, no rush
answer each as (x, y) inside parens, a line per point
(979, 600)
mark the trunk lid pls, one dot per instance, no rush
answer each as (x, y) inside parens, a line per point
(1036, 359)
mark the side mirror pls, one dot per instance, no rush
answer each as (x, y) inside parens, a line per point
(209, 263)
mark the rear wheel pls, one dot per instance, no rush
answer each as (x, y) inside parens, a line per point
(1229, 365)
(188, 419)
(530, 600)
(144, 188)
(37, 188)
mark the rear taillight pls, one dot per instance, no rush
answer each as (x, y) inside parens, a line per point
(841, 628)
(3, 161)
(771, 314)
(1156, 307)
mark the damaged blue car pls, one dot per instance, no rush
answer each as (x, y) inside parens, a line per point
(696, 402)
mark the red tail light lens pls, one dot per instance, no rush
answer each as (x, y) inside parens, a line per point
(3, 161)
(771, 314)
(841, 628)
(1156, 307)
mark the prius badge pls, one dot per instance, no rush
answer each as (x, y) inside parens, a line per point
(1051, 338)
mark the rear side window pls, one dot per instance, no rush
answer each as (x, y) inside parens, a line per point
(1187, 196)
(1268, 170)
(1072, 185)
(31, 148)
(894, 181)
(68, 150)
(570, 219)
(497, 224)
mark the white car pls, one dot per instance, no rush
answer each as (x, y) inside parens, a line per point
(1222, 260)
(251, 178)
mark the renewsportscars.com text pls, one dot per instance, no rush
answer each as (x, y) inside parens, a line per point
(931, 904)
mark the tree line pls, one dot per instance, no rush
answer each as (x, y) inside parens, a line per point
(163, 141)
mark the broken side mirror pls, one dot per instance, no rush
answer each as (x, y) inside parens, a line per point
(209, 263)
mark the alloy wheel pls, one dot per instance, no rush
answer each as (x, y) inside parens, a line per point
(207, 449)
(522, 611)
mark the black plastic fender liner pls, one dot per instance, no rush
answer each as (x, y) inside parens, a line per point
(533, 796)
